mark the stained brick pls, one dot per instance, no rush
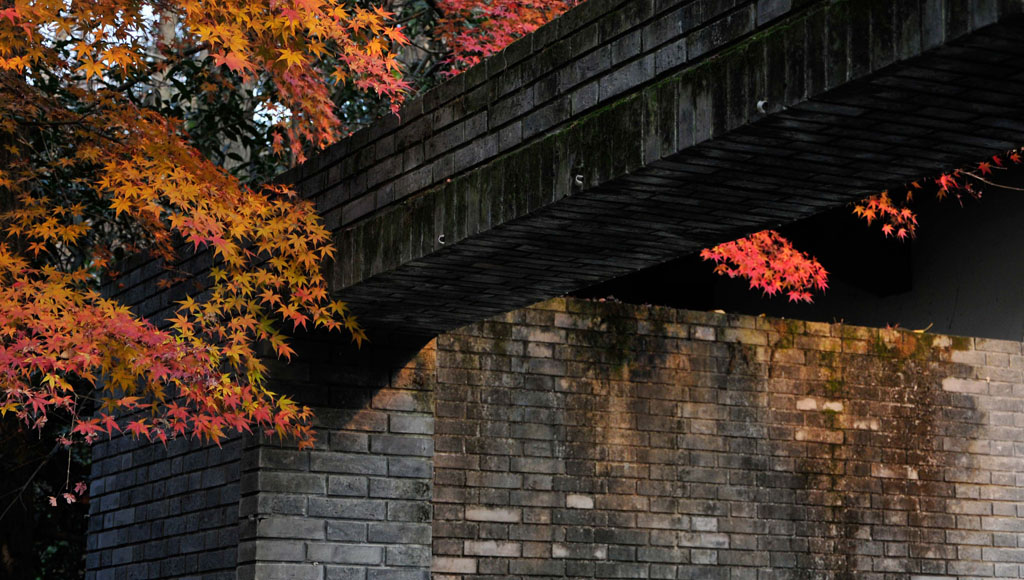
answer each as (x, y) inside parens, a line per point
(684, 521)
(345, 554)
(485, 514)
(291, 527)
(493, 549)
(348, 463)
(355, 509)
(454, 565)
(401, 445)
(399, 533)
(347, 485)
(346, 531)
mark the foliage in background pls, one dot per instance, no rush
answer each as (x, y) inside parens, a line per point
(475, 29)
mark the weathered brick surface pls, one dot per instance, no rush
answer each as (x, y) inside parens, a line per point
(157, 512)
(578, 439)
(588, 439)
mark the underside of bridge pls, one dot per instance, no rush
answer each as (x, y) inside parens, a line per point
(628, 133)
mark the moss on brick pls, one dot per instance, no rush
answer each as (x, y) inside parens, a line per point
(961, 343)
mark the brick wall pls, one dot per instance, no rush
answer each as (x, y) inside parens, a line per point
(163, 512)
(357, 506)
(590, 439)
(580, 439)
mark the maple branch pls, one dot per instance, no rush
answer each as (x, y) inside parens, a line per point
(147, 76)
(28, 123)
(412, 17)
(992, 183)
(427, 50)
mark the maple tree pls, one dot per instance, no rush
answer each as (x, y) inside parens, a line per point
(107, 152)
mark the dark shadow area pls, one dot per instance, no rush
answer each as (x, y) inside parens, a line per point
(37, 540)
(961, 274)
(330, 370)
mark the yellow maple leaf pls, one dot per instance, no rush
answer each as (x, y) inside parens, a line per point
(121, 204)
(91, 67)
(291, 57)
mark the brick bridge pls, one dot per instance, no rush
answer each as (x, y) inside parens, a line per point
(629, 132)
(574, 440)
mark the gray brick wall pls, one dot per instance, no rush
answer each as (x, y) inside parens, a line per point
(590, 439)
(578, 439)
(357, 506)
(163, 512)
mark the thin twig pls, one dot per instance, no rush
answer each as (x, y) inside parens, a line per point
(992, 183)
(411, 17)
(32, 477)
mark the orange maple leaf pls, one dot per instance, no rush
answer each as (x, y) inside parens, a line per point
(234, 61)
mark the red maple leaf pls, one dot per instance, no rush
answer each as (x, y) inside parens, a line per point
(946, 182)
(88, 428)
(233, 61)
(138, 428)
